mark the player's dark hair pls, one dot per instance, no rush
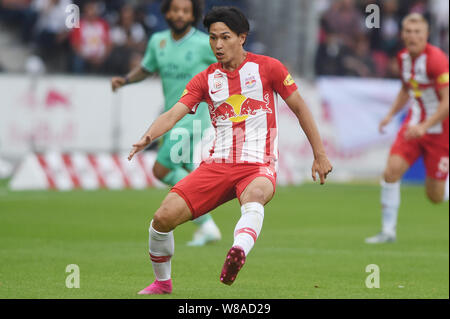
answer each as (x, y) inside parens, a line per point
(231, 16)
(88, 2)
(197, 8)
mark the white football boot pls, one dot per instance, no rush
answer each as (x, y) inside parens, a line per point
(381, 238)
(208, 232)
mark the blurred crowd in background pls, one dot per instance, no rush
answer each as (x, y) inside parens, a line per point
(112, 37)
(116, 32)
(347, 47)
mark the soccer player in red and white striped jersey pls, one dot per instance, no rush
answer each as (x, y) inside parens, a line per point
(424, 73)
(241, 92)
(243, 107)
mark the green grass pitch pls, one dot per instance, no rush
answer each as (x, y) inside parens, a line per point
(311, 246)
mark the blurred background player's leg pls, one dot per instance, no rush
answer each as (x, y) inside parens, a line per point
(207, 231)
(171, 173)
(390, 200)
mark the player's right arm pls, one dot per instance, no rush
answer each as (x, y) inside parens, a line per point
(148, 66)
(399, 103)
(164, 123)
(136, 75)
(188, 103)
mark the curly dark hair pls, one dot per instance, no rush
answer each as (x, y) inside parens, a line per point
(197, 6)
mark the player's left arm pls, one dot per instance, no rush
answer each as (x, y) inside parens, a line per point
(284, 84)
(321, 164)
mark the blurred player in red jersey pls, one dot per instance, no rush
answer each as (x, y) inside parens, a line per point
(90, 42)
(425, 78)
(241, 92)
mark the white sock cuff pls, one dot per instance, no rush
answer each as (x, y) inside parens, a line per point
(252, 207)
(156, 235)
(390, 185)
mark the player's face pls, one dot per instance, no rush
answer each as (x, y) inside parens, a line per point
(180, 15)
(91, 11)
(225, 44)
(415, 35)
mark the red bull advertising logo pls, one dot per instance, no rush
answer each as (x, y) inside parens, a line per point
(250, 82)
(238, 108)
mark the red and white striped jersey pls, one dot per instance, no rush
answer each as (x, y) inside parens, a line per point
(243, 107)
(424, 76)
(92, 38)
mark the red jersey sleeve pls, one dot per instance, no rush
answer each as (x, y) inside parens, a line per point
(195, 92)
(437, 68)
(282, 81)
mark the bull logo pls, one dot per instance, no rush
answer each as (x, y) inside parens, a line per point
(237, 108)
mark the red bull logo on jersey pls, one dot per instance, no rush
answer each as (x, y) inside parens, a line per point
(250, 82)
(238, 108)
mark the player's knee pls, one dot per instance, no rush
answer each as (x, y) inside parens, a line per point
(392, 174)
(162, 221)
(256, 195)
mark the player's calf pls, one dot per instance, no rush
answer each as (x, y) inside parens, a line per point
(435, 190)
(434, 197)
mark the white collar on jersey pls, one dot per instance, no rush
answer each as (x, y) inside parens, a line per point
(187, 36)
